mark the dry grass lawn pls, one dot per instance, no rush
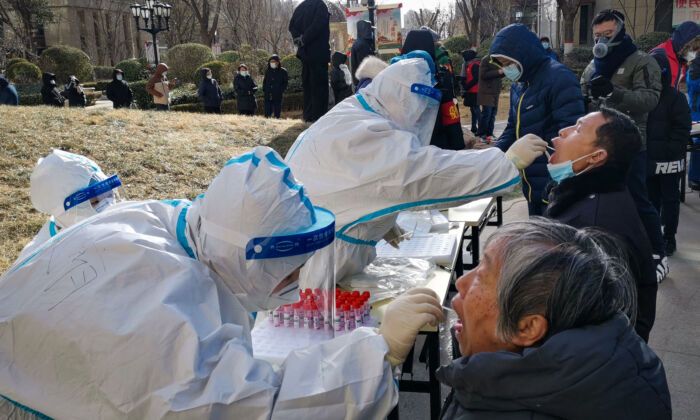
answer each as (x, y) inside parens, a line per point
(157, 155)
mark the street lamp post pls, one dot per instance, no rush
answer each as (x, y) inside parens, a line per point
(372, 7)
(152, 11)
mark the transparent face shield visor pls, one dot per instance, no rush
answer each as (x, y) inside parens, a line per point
(89, 201)
(429, 99)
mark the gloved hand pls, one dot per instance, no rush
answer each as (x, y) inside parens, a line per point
(298, 41)
(601, 87)
(525, 150)
(395, 236)
(404, 317)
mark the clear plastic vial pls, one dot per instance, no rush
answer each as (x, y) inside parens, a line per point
(349, 318)
(297, 316)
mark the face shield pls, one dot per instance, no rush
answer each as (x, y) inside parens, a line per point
(90, 200)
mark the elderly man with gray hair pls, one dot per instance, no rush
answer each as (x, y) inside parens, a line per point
(545, 332)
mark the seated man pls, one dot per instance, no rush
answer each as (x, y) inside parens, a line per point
(60, 176)
(590, 169)
(145, 312)
(370, 157)
(545, 332)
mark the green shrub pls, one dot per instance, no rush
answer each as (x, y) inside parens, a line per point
(33, 99)
(650, 40)
(256, 60)
(142, 99)
(293, 66)
(220, 70)
(261, 59)
(103, 72)
(132, 70)
(457, 63)
(23, 72)
(66, 61)
(231, 57)
(578, 59)
(457, 44)
(290, 102)
(92, 97)
(185, 59)
(484, 48)
(15, 60)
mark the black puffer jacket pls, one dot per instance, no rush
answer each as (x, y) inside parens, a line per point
(119, 92)
(341, 88)
(311, 22)
(50, 95)
(209, 91)
(447, 133)
(599, 198)
(245, 88)
(668, 126)
(361, 48)
(596, 372)
(275, 81)
(74, 92)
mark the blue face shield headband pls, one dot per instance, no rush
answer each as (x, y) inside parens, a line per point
(315, 237)
(91, 191)
(428, 91)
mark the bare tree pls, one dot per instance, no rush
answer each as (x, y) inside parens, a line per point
(471, 11)
(23, 17)
(424, 17)
(635, 16)
(259, 23)
(493, 16)
(183, 24)
(203, 12)
(569, 9)
(112, 30)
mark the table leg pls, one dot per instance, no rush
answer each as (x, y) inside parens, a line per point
(433, 343)
(475, 246)
(499, 210)
(394, 415)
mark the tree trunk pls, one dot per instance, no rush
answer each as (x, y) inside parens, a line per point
(569, 18)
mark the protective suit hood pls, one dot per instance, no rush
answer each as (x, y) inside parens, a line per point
(684, 33)
(56, 177)
(394, 94)
(516, 42)
(226, 219)
(364, 30)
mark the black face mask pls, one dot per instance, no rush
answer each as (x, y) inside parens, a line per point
(603, 46)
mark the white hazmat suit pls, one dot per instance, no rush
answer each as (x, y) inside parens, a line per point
(145, 312)
(369, 158)
(58, 176)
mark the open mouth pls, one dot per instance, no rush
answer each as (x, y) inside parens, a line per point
(457, 326)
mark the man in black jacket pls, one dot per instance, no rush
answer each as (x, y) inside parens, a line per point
(589, 169)
(447, 133)
(118, 90)
(341, 79)
(274, 85)
(362, 48)
(310, 31)
(50, 95)
(667, 136)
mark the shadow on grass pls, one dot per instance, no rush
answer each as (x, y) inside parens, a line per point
(283, 141)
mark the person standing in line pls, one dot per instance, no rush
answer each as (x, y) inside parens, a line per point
(209, 92)
(75, 93)
(362, 48)
(50, 95)
(245, 89)
(341, 79)
(159, 87)
(274, 85)
(490, 80)
(469, 78)
(310, 30)
(8, 93)
(118, 91)
(548, 48)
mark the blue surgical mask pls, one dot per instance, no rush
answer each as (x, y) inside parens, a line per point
(565, 170)
(512, 72)
(119, 77)
(165, 74)
(545, 45)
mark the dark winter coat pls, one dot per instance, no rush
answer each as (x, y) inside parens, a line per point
(668, 126)
(275, 81)
(599, 198)
(311, 22)
(341, 89)
(490, 81)
(361, 48)
(8, 93)
(50, 95)
(683, 34)
(209, 91)
(245, 88)
(602, 371)
(75, 93)
(446, 134)
(546, 99)
(119, 92)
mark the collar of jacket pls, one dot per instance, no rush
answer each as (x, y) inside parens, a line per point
(604, 179)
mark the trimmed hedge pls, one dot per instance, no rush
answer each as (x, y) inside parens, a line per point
(578, 59)
(290, 102)
(650, 40)
(231, 57)
(457, 63)
(103, 72)
(185, 59)
(30, 95)
(142, 99)
(66, 61)
(457, 44)
(23, 72)
(293, 66)
(220, 70)
(484, 48)
(15, 60)
(132, 70)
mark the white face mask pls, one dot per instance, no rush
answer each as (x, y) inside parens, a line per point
(119, 77)
(273, 65)
(244, 73)
(208, 76)
(690, 56)
(165, 74)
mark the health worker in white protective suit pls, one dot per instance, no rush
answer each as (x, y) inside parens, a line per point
(370, 157)
(145, 312)
(70, 188)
